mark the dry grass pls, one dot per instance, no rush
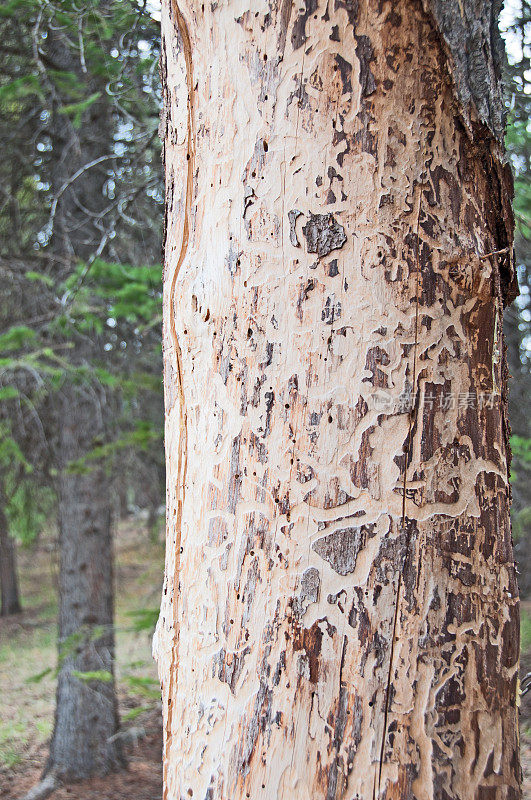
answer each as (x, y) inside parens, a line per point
(28, 643)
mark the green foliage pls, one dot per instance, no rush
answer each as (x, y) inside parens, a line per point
(30, 506)
(131, 293)
(16, 337)
(144, 619)
(19, 88)
(143, 686)
(10, 8)
(76, 110)
(139, 438)
(38, 276)
(525, 631)
(9, 733)
(521, 447)
(522, 524)
(91, 315)
(70, 646)
(10, 453)
(39, 676)
(101, 675)
(8, 393)
(133, 713)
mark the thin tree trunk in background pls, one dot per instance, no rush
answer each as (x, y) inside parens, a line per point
(8, 571)
(8, 566)
(340, 609)
(86, 716)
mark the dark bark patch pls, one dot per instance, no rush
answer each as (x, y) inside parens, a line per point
(332, 268)
(331, 310)
(285, 14)
(228, 666)
(270, 401)
(280, 668)
(345, 70)
(332, 173)
(365, 138)
(341, 548)
(323, 234)
(309, 640)
(235, 477)
(375, 358)
(298, 34)
(259, 721)
(351, 7)
(309, 590)
(470, 32)
(433, 194)
(365, 54)
(394, 19)
(305, 290)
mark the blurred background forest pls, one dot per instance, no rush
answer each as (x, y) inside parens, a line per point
(81, 406)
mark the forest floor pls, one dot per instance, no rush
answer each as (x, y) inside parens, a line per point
(27, 680)
(28, 661)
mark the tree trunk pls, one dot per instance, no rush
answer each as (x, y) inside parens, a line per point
(8, 566)
(86, 716)
(340, 612)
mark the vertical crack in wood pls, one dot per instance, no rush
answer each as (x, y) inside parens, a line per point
(408, 452)
(183, 433)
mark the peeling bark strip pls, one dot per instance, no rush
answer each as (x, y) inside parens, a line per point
(340, 613)
(293, 216)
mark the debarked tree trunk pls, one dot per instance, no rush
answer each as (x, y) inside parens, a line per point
(340, 612)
